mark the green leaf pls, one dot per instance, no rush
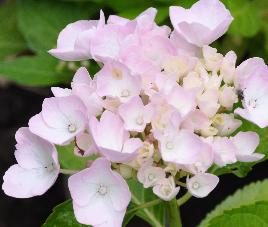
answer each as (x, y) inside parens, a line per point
(247, 20)
(68, 160)
(154, 215)
(11, 41)
(186, 3)
(62, 215)
(41, 21)
(162, 15)
(131, 13)
(248, 195)
(34, 71)
(254, 215)
(121, 6)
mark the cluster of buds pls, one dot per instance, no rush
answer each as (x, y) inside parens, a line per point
(162, 109)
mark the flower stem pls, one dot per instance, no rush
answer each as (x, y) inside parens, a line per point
(68, 171)
(181, 184)
(173, 214)
(145, 205)
(184, 199)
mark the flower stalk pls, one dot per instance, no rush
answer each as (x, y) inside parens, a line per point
(173, 214)
(184, 199)
(145, 205)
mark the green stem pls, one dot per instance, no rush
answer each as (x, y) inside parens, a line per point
(184, 199)
(173, 214)
(145, 205)
(181, 184)
(68, 171)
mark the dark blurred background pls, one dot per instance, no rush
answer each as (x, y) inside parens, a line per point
(29, 28)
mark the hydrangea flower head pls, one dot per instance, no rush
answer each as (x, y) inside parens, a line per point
(162, 110)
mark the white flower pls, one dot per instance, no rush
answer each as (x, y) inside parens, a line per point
(166, 189)
(37, 167)
(150, 175)
(228, 70)
(201, 185)
(227, 96)
(226, 124)
(213, 59)
(100, 195)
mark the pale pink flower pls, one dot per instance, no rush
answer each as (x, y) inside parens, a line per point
(181, 147)
(193, 82)
(85, 88)
(183, 46)
(135, 114)
(149, 176)
(100, 195)
(179, 65)
(208, 102)
(37, 168)
(224, 151)
(204, 160)
(226, 124)
(112, 139)
(183, 100)
(196, 121)
(227, 96)
(148, 79)
(74, 41)
(246, 144)
(109, 40)
(61, 92)
(166, 117)
(202, 184)
(144, 21)
(61, 119)
(166, 189)
(115, 80)
(84, 145)
(212, 81)
(255, 100)
(203, 23)
(147, 51)
(212, 58)
(227, 69)
(250, 67)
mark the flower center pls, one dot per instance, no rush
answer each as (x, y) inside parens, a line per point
(102, 190)
(71, 128)
(166, 190)
(139, 120)
(125, 93)
(117, 74)
(169, 145)
(151, 177)
(195, 185)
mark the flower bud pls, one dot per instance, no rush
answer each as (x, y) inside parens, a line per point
(212, 59)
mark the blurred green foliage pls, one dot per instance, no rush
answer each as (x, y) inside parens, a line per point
(29, 28)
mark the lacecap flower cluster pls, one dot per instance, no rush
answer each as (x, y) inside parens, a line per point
(161, 109)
